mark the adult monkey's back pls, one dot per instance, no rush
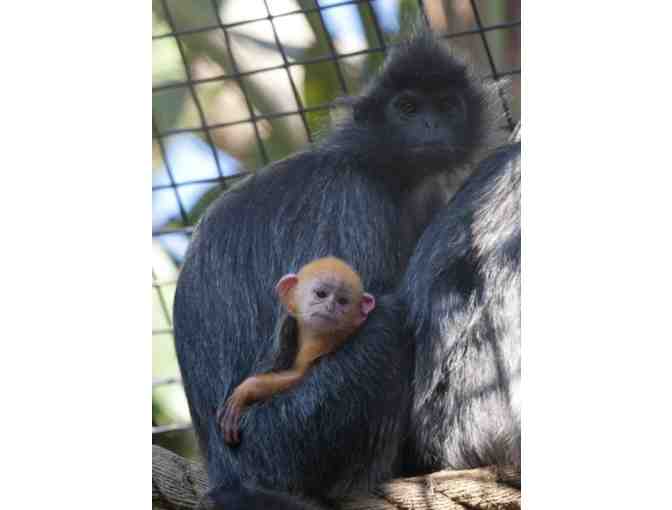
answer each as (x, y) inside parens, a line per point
(462, 294)
(351, 197)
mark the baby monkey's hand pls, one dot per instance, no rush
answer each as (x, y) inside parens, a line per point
(228, 414)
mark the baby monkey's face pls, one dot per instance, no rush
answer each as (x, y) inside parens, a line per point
(326, 296)
(328, 303)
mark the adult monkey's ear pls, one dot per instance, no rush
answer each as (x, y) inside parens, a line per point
(364, 108)
(285, 291)
(361, 109)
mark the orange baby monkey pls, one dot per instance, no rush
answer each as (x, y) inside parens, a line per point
(326, 303)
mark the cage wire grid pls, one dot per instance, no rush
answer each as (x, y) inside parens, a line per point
(257, 118)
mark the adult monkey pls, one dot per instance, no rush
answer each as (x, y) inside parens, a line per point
(353, 196)
(462, 292)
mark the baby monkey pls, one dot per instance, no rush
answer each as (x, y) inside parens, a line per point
(325, 303)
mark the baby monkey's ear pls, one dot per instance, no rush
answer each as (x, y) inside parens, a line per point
(367, 304)
(284, 288)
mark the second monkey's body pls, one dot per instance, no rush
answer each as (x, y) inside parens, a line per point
(325, 303)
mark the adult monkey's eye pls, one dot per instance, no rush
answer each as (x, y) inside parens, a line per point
(342, 301)
(405, 105)
(320, 294)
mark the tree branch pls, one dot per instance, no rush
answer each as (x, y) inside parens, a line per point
(178, 484)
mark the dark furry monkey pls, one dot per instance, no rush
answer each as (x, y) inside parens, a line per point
(326, 303)
(360, 195)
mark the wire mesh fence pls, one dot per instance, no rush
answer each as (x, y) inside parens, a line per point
(237, 84)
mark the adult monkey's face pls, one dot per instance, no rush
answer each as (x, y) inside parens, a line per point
(427, 121)
(426, 112)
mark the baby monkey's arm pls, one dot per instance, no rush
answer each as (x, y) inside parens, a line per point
(253, 389)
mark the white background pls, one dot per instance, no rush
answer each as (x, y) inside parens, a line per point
(596, 248)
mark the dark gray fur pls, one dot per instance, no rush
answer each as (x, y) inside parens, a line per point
(462, 291)
(344, 425)
(241, 497)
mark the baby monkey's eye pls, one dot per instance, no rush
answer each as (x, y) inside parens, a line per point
(321, 294)
(342, 301)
